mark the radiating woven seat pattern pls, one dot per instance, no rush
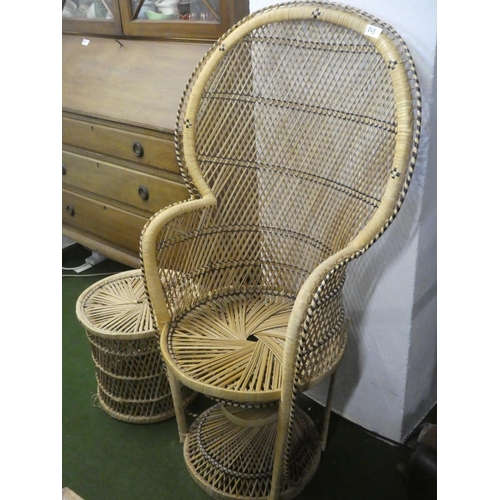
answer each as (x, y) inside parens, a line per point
(297, 138)
(238, 341)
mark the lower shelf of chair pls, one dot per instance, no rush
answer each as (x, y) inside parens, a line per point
(231, 459)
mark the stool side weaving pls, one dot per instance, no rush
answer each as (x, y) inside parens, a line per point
(132, 385)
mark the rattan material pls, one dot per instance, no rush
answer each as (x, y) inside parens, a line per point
(241, 465)
(297, 138)
(239, 343)
(132, 385)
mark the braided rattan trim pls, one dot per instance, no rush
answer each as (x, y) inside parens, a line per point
(318, 110)
(287, 170)
(186, 236)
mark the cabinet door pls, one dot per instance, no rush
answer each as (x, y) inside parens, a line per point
(175, 19)
(100, 17)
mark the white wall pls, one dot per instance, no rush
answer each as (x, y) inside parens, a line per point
(387, 380)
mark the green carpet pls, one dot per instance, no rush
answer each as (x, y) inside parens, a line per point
(106, 459)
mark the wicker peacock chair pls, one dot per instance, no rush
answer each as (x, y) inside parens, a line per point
(297, 139)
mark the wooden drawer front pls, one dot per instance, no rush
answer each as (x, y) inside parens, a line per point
(157, 152)
(121, 184)
(106, 222)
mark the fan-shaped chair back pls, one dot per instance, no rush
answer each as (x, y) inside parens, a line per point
(302, 130)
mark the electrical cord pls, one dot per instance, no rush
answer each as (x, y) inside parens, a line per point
(90, 261)
(87, 275)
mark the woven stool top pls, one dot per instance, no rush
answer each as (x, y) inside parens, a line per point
(116, 307)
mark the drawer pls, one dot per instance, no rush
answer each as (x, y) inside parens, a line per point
(133, 146)
(134, 188)
(106, 222)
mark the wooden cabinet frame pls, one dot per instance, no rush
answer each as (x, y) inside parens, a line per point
(124, 24)
(95, 26)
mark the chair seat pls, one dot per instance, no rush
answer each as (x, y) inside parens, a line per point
(232, 347)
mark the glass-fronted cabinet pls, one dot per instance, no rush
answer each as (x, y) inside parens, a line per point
(100, 17)
(171, 19)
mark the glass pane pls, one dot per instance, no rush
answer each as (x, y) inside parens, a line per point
(177, 10)
(87, 9)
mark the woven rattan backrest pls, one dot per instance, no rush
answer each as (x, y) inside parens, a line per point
(303, 121)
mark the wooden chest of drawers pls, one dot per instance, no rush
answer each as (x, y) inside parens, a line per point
(114, 179)
(118, 160)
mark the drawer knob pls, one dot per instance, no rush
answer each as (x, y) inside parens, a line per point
(64, 169)
(70, 210)
(143, 192)
(138, 149)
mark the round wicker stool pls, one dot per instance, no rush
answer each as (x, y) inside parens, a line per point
(240, 465)
(132, 384)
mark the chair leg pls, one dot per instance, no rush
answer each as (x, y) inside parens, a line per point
(328, 411)
(180, 413)
(279, 452)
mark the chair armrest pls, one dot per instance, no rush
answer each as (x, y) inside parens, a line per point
(321, 294)
(172, 220)
(325, 282)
